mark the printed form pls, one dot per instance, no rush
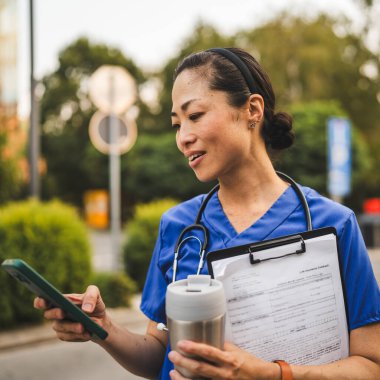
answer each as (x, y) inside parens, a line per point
(290, 308)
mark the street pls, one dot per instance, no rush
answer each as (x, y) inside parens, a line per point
(56, 360)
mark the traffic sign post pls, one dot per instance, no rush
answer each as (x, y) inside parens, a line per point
(113, 91)
(114, 185)
(339, 157)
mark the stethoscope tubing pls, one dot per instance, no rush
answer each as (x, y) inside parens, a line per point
(198, 226)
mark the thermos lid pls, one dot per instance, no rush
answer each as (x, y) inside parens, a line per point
(197, 298)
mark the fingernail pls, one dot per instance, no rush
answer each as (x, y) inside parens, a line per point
(173, 356)
(87, 307)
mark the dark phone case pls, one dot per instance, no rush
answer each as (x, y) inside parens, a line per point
(25, 274)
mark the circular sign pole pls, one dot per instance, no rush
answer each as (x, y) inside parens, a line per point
(114, 178)
(114, 162)
(113, 91)
(114, 169)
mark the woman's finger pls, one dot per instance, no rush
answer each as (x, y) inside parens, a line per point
(40, 303)
(195, 366)
(230, 347)
(71, 331)
(90, 299)
(54, 313)
(175, 375)
(68, 327)
(205, 351)
(76, 299)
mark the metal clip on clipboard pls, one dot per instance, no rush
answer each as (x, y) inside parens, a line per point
(277, 243)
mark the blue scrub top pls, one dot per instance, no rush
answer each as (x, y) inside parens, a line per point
(285, 217)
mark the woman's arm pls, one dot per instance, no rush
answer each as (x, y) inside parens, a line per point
(234, 363)
(140, 354)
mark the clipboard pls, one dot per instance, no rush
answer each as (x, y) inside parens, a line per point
(285, 297)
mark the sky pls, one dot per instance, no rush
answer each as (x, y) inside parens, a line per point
(148, 31)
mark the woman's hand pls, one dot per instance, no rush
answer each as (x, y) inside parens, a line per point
(232, 363)
(90, 302)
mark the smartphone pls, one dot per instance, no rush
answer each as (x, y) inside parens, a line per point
(25, 274)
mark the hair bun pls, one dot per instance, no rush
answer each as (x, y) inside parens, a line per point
(278, 132)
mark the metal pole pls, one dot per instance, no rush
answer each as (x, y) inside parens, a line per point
(114, 184)
(33, 123)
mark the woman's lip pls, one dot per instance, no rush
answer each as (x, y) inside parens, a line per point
(196, 161)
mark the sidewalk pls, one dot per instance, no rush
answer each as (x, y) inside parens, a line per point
(25, 336)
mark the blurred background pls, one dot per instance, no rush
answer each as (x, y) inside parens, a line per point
(88, 161)
(322, 57)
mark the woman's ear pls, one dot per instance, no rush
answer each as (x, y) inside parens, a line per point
(256, 108)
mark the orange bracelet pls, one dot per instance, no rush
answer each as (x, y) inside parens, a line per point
(286, 372)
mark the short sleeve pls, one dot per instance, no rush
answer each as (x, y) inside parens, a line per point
(362, 290)
(153, 296)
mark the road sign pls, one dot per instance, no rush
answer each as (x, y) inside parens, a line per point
(112, 89)
(339, 156)
(100, 133)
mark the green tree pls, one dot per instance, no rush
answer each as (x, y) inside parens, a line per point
(153, 168)
(73, 163)
(308, 61)
(157, 169)
(306, 161)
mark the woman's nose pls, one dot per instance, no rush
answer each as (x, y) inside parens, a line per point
(185, 136)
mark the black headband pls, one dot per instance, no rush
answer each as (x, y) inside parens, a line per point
(239, 63)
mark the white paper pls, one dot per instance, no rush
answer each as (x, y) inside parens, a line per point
(291, 308)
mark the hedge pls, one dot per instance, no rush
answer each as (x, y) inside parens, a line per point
(141, 234)
(116, 289)
(50, 237)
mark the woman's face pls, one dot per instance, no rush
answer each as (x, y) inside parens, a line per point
(212, 135)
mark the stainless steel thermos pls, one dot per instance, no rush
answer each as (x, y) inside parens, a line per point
(195, 310)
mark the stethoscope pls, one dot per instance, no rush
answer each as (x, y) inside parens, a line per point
(198, 226)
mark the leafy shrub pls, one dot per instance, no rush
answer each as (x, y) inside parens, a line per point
(116, 288)
(141, 235)
(51, 238)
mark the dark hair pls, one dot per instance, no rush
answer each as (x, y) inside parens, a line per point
(223, 75)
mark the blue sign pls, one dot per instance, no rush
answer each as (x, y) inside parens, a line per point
(339, 156)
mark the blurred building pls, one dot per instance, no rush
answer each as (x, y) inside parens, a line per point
(10, 125)
(8, 58)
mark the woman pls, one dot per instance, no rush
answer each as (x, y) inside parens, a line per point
(225, 126)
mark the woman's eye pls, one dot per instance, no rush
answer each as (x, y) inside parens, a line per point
(175, 126)
(195, 116)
